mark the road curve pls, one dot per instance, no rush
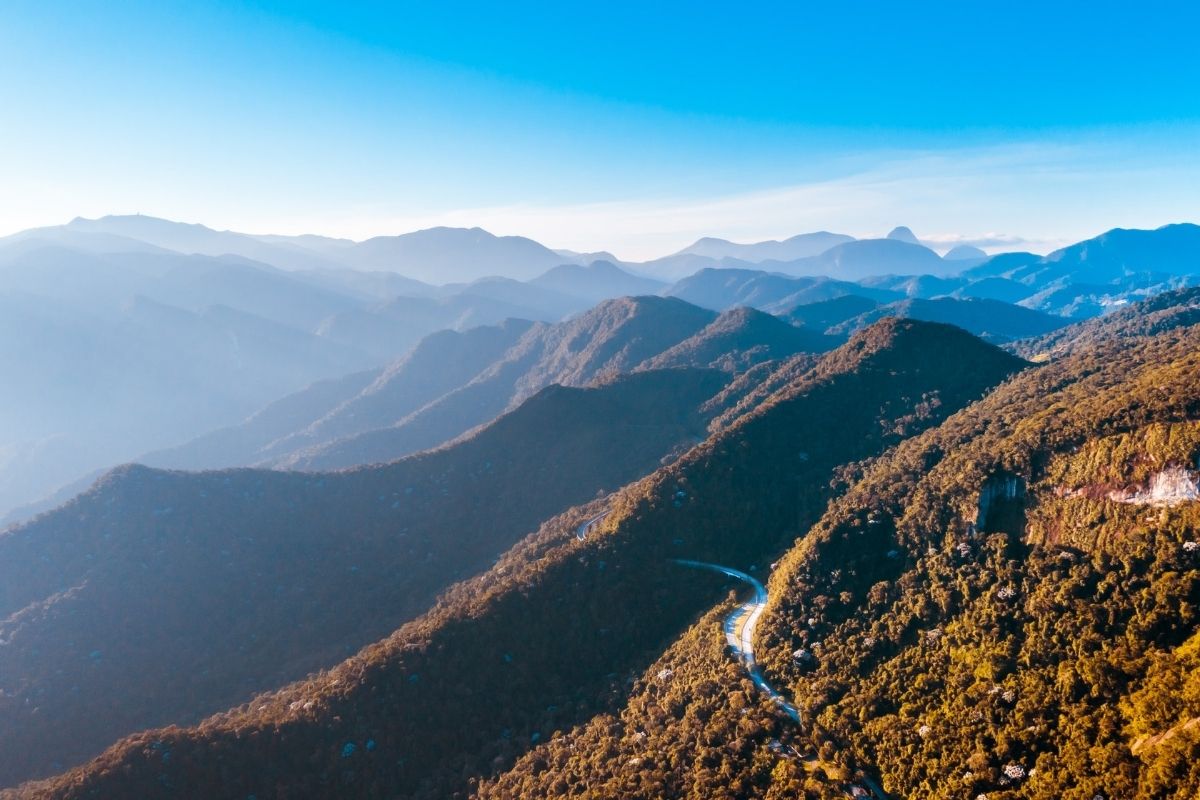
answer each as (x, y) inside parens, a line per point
(586, 527)
(739, 631)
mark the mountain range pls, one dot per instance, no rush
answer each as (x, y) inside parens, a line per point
(387, 539)
(491, 638)
(190, 330)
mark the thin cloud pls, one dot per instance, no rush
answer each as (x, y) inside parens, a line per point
(924, 191)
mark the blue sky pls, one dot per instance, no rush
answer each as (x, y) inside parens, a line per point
(630, 126)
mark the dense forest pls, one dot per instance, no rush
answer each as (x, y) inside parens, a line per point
(984, 582)
(552, 634)
(214, 586)
(1001, 607)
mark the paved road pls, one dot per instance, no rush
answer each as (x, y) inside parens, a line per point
(583, 530)
(739, 633)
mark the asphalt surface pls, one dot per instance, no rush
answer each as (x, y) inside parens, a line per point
(583, 530)
(739, 633)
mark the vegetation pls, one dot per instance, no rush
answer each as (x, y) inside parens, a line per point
(1048, 652)
(211, 587)
(1012, 659)
(742, 338)
(1162, 312)
(992, 320)
(554, 633)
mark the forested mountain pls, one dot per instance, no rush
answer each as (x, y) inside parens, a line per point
(1003, 606)
(596, 281)
(722, 289)
(544, 639)
(549, 401)
(824, 314)
(181, 330)
(160, 597)
(478, 363)
(1174, 309)
(739, 339)
(992, 320)
(611, 338)
(440, 363)
(978, 586)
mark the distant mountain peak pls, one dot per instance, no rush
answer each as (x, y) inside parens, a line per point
(964, 252)
(902, 233)
(799, 246)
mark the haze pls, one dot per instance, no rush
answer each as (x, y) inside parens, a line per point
(627, 129)
(638, 401)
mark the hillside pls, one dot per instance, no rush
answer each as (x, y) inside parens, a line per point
(800, 246)
(1003, 606)
(599, 280)
(739, 339)
(542, 641)
(614, 337)
(1025, 627)
(1175, 309)
(389, 328)
(457, 378)
(824, 314)
(445, 255)
(722, 289)
(866, 257)
(439, 363)
(160, 597)
(992, 320)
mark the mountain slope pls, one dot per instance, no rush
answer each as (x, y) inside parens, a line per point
(446, 255)
(542, 640)
(1175, 309)
(992, 320)
(739, 339)
(1170, 250)
(160, 597)
(599, 280)
(1029, 592)
(826, 313)
(722, 289)
(866, 257)
(800, 246)
(611, 338)
(992, 609)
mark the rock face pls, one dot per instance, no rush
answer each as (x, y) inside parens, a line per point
(1001, 504)
(1172, 486)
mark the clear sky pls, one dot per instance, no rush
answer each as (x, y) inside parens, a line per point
(635, 127)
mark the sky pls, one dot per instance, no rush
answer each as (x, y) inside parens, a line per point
(631, 127)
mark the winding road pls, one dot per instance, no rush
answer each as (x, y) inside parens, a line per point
(586, 527)
(739, 633)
